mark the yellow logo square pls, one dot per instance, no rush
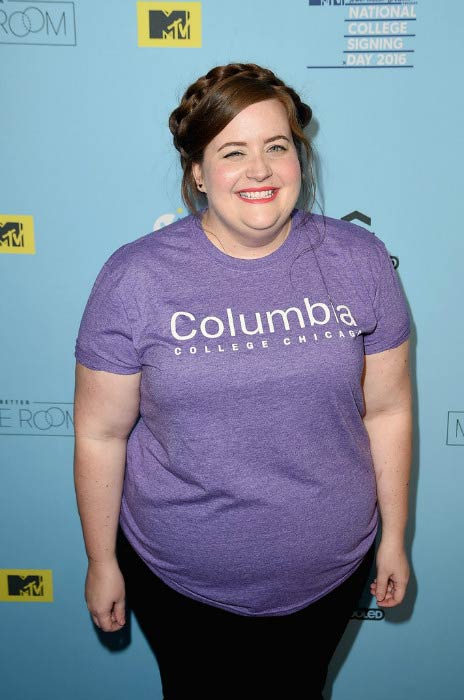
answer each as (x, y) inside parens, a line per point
(169, 24)
(16, 234)
(26, 585)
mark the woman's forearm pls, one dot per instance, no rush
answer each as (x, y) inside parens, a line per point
(99, 465)
(390, 436)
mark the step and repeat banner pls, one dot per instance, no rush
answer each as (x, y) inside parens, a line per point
(88, 165)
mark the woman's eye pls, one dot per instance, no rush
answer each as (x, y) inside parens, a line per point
(233, 153)
(277, 147)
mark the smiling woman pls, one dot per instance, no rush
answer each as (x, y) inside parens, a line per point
(211, 103)
(264, 421)
(230, 172)
(264, 170)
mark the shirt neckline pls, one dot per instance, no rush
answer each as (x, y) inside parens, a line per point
(277, 256)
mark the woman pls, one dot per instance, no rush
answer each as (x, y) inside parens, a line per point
(243, 411)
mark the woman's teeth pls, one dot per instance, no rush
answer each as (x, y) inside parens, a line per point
(257, 195)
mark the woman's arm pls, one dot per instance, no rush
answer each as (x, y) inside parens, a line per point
(388, 421)
(105, 409)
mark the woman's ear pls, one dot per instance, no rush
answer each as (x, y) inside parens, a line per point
(198, 176)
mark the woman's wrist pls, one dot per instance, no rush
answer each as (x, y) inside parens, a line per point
(103, 561)
(394, 537)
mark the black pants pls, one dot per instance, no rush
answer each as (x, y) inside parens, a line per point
(207, 653)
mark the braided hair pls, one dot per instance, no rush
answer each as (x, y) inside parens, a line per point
(212, 101)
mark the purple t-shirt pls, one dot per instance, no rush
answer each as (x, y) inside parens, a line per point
(249, 480)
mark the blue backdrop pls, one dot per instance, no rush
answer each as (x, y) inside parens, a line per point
(88, 165)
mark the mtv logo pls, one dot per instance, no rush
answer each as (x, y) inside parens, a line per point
(11, 234)
(165, 24)
(455, 431)
(25, 585)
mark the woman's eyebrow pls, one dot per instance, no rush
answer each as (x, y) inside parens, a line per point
(243, 143)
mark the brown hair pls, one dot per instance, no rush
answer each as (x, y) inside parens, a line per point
(210, 103)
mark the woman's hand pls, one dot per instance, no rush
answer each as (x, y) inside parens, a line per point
(105, 595)
(392, 574)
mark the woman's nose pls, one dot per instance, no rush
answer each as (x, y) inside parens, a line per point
(259, 168)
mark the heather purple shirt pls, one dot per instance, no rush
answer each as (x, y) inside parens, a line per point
(249, 480)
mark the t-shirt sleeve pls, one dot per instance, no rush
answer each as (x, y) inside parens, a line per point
(390, 308)
(105, 339)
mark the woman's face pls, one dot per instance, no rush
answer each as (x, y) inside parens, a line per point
(251, 176)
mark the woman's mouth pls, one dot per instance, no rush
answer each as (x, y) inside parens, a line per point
(256, 196)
